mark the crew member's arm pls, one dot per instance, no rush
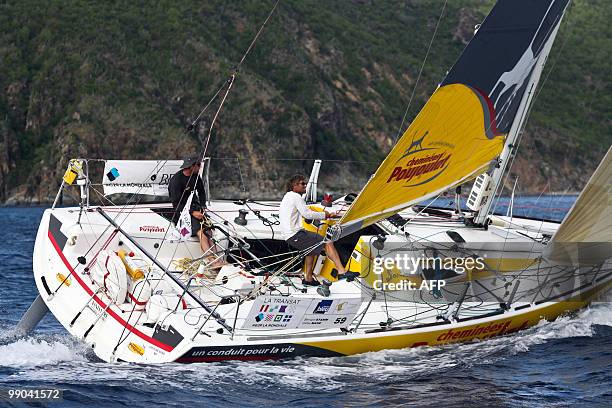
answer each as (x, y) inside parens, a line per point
(175, 191)
(307, 213)
(201, 192)
(198, 206)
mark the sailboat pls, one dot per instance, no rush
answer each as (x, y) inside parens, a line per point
(117, 278)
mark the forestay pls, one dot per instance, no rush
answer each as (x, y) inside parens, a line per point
(462, 128)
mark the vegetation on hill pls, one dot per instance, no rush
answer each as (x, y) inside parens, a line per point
(327, 79)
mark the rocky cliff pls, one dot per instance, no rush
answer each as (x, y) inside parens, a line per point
(327, 79)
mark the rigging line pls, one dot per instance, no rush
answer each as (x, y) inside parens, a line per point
(230, 82)
(539, 231)
(197, 119)
(248, 50)
(282, 270)
(122, 209)
(296, 159)
(281, 261)
(257, 35)
(423, 209)
(265, 204)
(546, 188)
(241, 178)
(286, 267)
(414, 315)
(106, 229)
(399, 131)
(251, 232)
(101, 196)
(507, 238)
(557, 57)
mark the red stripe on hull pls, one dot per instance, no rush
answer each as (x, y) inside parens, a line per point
(99, 301)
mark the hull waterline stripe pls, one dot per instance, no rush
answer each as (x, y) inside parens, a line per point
(90, 292)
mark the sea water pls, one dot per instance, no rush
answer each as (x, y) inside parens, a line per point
(567, 362)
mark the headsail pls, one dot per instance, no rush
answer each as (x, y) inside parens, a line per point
(462, 127)
(585, 235)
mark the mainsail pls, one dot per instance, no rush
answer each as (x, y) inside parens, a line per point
(462, 128)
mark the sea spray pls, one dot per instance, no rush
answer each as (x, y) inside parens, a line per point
(34, 352)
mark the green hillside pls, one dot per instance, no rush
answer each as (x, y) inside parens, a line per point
(327, 79)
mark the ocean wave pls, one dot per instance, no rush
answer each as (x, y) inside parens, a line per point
(68, 361)
(36, 352)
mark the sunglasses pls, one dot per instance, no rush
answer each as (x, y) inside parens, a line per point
(303, 183)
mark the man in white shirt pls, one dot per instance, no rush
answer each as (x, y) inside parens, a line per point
(292, 209)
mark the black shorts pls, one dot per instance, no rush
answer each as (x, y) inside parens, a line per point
(196, 226)
(306, 240)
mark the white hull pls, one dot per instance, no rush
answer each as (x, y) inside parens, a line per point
(119, 331)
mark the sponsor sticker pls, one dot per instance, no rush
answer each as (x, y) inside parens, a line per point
(63, 279)
(296, 313)
(136, 348)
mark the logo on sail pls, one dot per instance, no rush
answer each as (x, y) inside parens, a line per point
(431, 163)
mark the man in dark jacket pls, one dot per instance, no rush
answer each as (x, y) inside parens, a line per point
(181, 185)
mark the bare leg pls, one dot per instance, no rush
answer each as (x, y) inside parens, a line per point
(204, 241)
(332, 254)
(207, 244)
(308, 263)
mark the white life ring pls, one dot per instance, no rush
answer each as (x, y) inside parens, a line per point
(109, 272)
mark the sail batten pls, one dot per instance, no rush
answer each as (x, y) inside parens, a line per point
(462, 128)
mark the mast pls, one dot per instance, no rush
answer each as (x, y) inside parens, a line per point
(511, 144)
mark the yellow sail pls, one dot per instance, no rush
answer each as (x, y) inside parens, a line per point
(451, 140)
(464, 125)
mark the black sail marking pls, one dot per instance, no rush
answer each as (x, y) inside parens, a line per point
(499, 60)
